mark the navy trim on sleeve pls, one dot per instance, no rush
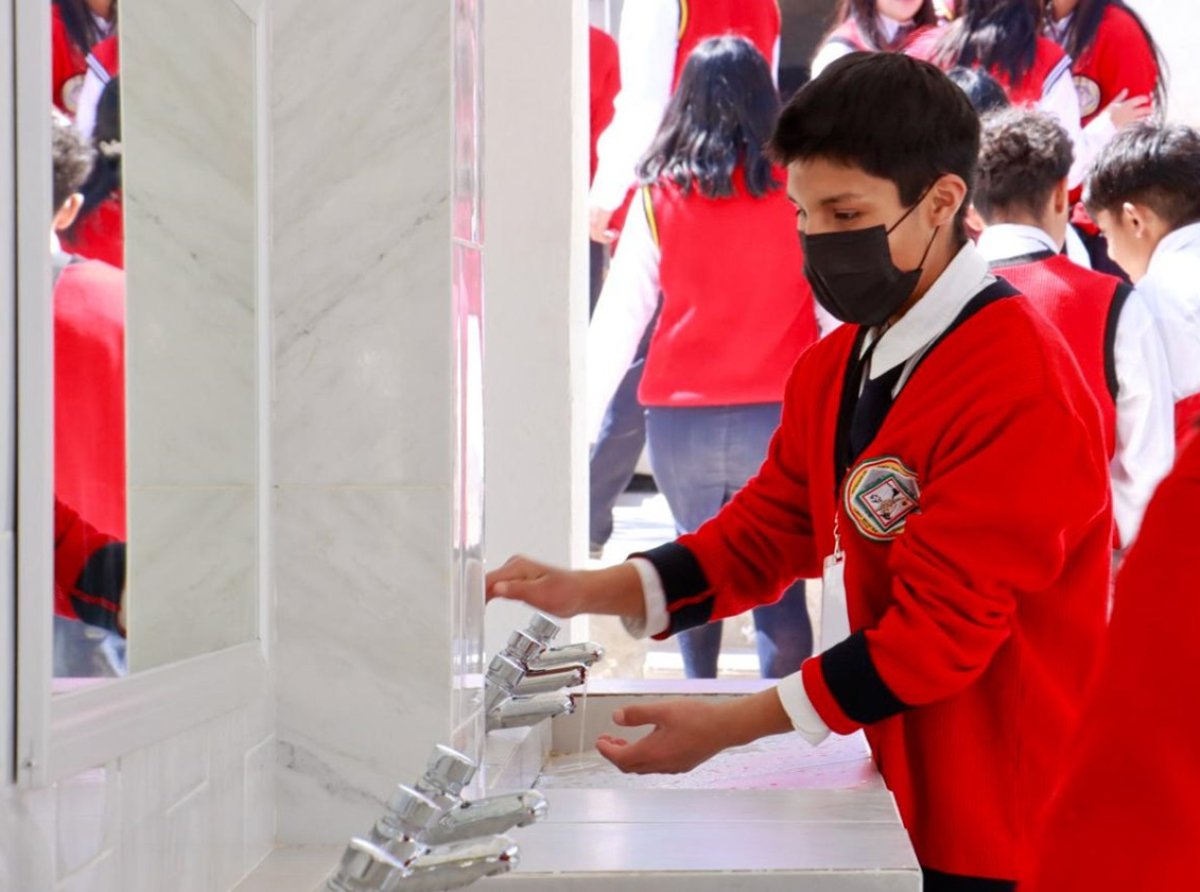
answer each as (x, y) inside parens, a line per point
(680, 572)
(689, 595)
(855, 683)
(1120, 296)
(97, 593)
(936, 881)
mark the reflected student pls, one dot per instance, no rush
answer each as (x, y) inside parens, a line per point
(940, 456)
(89, 420)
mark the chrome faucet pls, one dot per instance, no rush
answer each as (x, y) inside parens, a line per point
(402, 867)
(585, 654)
(415, 815)
(522, 712)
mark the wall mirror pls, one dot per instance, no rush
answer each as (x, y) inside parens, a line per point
(146, 115)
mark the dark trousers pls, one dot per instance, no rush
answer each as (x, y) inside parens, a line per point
(701, 457)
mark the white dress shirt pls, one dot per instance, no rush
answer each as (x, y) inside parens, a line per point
(624, 309)
(648, 43)
(905, 342)
(1145, 447)
(1171, 288)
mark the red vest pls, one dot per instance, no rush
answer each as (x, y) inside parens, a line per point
(1187, 417)
(89, 394)
(1028, 91)
(605, 83)
(1085, 307)
(756, 20)
(736, 309)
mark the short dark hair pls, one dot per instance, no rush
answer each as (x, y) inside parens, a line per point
(718, 120)
(72, 158)
(983, 91)
(894, 117)
(1157, 165)
(1023, 156)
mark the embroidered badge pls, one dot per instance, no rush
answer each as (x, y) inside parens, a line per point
(879, 497)
(1089, 96)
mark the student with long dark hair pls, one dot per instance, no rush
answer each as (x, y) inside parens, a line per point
(1119, 76)
(98, 232)
(1005, 39)
(712, 230)
(75, 27)
(870, 26)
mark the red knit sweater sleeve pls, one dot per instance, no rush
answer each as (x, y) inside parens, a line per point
(760, 542)
(1001, 513)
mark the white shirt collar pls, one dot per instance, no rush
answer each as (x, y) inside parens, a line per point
(935, 312)
(1184, 240)
(1007, 240)
(890, 27)
(1058, 30)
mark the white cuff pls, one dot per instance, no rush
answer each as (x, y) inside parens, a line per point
(656, 620)
(800, 710)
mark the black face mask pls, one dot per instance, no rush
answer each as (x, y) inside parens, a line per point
(852, 274)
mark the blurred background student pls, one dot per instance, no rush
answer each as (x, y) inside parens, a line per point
(655, 39)
(869, 26)
(712, 229)
(75, 27)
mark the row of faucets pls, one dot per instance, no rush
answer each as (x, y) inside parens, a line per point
(431, 838)
(526, 682)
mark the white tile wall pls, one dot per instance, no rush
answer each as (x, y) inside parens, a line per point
(190, 814)
(377, 426)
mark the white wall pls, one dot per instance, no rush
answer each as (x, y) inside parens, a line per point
(1175, 26)
(378, 606)
(536, 273)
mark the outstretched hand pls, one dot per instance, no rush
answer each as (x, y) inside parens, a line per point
(687, 733)
(556, 591)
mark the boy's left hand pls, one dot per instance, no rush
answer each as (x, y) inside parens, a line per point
(686, 734)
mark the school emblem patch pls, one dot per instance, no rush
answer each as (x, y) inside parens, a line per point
(879, 497)
(1089, 96)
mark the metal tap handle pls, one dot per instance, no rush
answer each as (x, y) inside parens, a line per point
(502, 678)
(449, 770)
(543, 628)
(411, 811)
(522, 648)
(364, 866)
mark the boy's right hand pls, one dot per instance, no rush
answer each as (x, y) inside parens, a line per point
(566, 593)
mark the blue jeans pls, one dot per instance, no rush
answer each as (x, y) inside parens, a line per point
(618, 448)
(701, 457)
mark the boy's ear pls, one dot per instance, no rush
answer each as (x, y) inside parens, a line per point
(947, 196)
(1062, 197)
(66, 214)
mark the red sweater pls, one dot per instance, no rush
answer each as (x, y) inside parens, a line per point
(89, 570)
(1048, 57)
(1127, 811)
(604, 82)
(68, 65)
(977, 594)
(756, 20)
(1085, 306)
(1120, 58)
(734, 320)
(89, 394)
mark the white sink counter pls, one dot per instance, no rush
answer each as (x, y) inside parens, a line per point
(776, 815)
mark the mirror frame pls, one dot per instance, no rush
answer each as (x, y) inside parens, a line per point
(61, 735)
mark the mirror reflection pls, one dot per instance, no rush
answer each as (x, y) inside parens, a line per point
(157, 340)
(88, 259)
